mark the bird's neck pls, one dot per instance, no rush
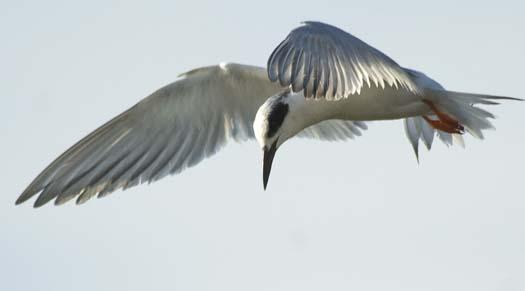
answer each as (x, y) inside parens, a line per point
(304, 113)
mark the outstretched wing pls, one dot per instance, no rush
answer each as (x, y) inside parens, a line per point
(172, 129)
(327, 62)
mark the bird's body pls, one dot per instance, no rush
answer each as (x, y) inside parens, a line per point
(321, 82)
(371, 104)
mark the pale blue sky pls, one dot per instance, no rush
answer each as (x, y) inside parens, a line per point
(360, 215)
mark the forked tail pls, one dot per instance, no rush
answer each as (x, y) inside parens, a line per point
(452, 114)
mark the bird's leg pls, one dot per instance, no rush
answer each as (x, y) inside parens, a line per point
(444, 122)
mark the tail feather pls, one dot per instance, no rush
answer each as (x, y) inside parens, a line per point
(462, 107)
(417, 129)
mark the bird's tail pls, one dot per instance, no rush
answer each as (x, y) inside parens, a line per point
(452, 114)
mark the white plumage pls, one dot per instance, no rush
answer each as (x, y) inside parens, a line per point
(326, 82)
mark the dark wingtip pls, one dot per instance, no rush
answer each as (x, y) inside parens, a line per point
(19, 201)
(38, 204)
(23, 197)
(42, 199)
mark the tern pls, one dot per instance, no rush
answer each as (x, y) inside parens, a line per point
(320, 82)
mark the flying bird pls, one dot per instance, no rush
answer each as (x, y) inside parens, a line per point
(320, 82)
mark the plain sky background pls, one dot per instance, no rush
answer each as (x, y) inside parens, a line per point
(359, 215)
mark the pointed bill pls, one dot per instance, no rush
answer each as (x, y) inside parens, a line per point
(267, 162)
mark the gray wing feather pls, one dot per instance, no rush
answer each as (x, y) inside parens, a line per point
(172, 129)
(327, 62)
(334, 130)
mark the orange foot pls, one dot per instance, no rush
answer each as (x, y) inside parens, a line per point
(444, 122)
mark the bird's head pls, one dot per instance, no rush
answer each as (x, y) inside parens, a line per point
(274, 124)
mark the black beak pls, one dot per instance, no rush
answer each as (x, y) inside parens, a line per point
(267, 162)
